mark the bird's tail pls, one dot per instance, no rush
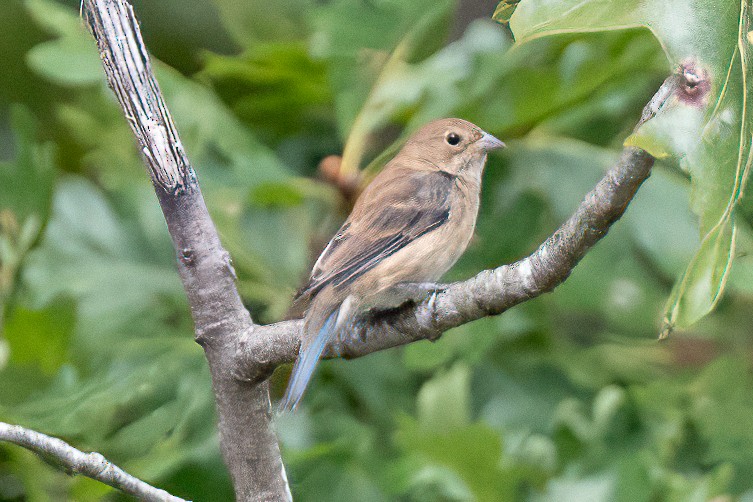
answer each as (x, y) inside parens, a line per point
(304, 366)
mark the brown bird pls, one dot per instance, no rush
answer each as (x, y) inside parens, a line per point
(409, 226)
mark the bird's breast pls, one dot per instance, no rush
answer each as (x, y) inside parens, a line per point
(431, 255)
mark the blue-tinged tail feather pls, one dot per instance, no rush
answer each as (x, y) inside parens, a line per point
(305, 365)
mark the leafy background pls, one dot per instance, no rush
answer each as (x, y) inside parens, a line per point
(567, 397)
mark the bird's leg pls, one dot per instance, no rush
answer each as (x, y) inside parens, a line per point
(433, 298)
(398, 295)
(417, 291)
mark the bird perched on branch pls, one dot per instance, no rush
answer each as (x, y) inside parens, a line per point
(409, 226)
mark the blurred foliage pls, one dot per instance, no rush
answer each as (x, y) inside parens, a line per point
(567, 397)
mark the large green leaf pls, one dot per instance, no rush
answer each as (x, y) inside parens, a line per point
(255, 21)
(69, 60)
(40, 338)
(443, 437)
(707, 127)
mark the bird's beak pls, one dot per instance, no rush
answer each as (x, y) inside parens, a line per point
(489, 142)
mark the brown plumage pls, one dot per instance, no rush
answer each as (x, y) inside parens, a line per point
(410, 225)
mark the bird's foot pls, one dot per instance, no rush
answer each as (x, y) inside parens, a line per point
(404, 293)
(418, 291)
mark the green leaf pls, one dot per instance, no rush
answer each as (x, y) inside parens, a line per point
(254, 21)
(701, 286)
(598, 488)
(472, 452)
(443, 402)
(70, 60)
(711, 134)
(40, 337)
(674, 133)
(681, 26)
(55, 18)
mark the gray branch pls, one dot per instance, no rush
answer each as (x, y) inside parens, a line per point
(92, 465)
(249, 445)
(491, 292)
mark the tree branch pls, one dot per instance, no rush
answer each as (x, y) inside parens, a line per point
(491, 292)
(92, 465)
(249, 445)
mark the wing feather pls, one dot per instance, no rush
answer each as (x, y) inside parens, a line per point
(408, 204)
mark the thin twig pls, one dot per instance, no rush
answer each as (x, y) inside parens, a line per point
(92, 465)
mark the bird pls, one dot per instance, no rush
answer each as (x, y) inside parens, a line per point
(408, 227)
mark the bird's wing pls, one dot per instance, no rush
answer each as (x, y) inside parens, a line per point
(393, 212)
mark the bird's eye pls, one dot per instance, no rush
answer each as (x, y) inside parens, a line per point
(453, 138)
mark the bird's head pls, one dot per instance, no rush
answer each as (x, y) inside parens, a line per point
(455, 146)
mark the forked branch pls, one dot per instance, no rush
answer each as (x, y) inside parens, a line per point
(249, 445)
